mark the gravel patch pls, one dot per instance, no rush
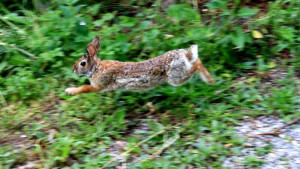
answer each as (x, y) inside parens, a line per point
(284, 151)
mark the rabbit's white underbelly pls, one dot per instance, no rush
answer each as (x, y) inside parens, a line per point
(144, 82)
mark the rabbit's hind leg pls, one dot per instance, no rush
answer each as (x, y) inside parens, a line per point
(203, 73)
(180, 73)
(192, 55)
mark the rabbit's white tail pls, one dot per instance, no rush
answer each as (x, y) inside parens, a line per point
(192, 54)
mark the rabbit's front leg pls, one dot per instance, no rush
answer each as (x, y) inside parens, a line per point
(82, 89)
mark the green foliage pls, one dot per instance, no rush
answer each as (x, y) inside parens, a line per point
(263, 150)
(254, 162)
(39, 44)
(182, 12)
(247, 12)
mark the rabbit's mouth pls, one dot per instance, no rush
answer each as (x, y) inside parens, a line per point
(81, 72)
(78, 71)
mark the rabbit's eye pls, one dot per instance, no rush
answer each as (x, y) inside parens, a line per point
(82, 63)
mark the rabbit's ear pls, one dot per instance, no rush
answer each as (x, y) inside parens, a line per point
(91, 50)
(93, 47)
(96, 43)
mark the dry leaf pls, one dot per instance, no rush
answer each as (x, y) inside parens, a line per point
(228, 145)
(256, 34)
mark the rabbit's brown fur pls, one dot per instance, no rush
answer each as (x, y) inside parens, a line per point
(174, 67)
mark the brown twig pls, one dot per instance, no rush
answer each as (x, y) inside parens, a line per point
(275, 132)
(151, 108)
(137, 145)
(167, 144)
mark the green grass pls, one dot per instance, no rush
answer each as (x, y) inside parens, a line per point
(81, 131)
(191, 126)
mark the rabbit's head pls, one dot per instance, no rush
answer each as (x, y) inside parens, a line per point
(87, 63)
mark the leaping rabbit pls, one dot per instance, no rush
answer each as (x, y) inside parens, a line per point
(174, 67)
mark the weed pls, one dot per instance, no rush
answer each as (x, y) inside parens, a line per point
(40, 41)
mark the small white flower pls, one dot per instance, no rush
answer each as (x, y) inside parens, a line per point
(82, 23)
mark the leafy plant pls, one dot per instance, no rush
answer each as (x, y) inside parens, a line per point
(39, 42)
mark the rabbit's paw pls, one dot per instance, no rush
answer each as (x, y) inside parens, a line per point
(71, 90)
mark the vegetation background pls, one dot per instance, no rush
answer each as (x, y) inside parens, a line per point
(190, 126)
